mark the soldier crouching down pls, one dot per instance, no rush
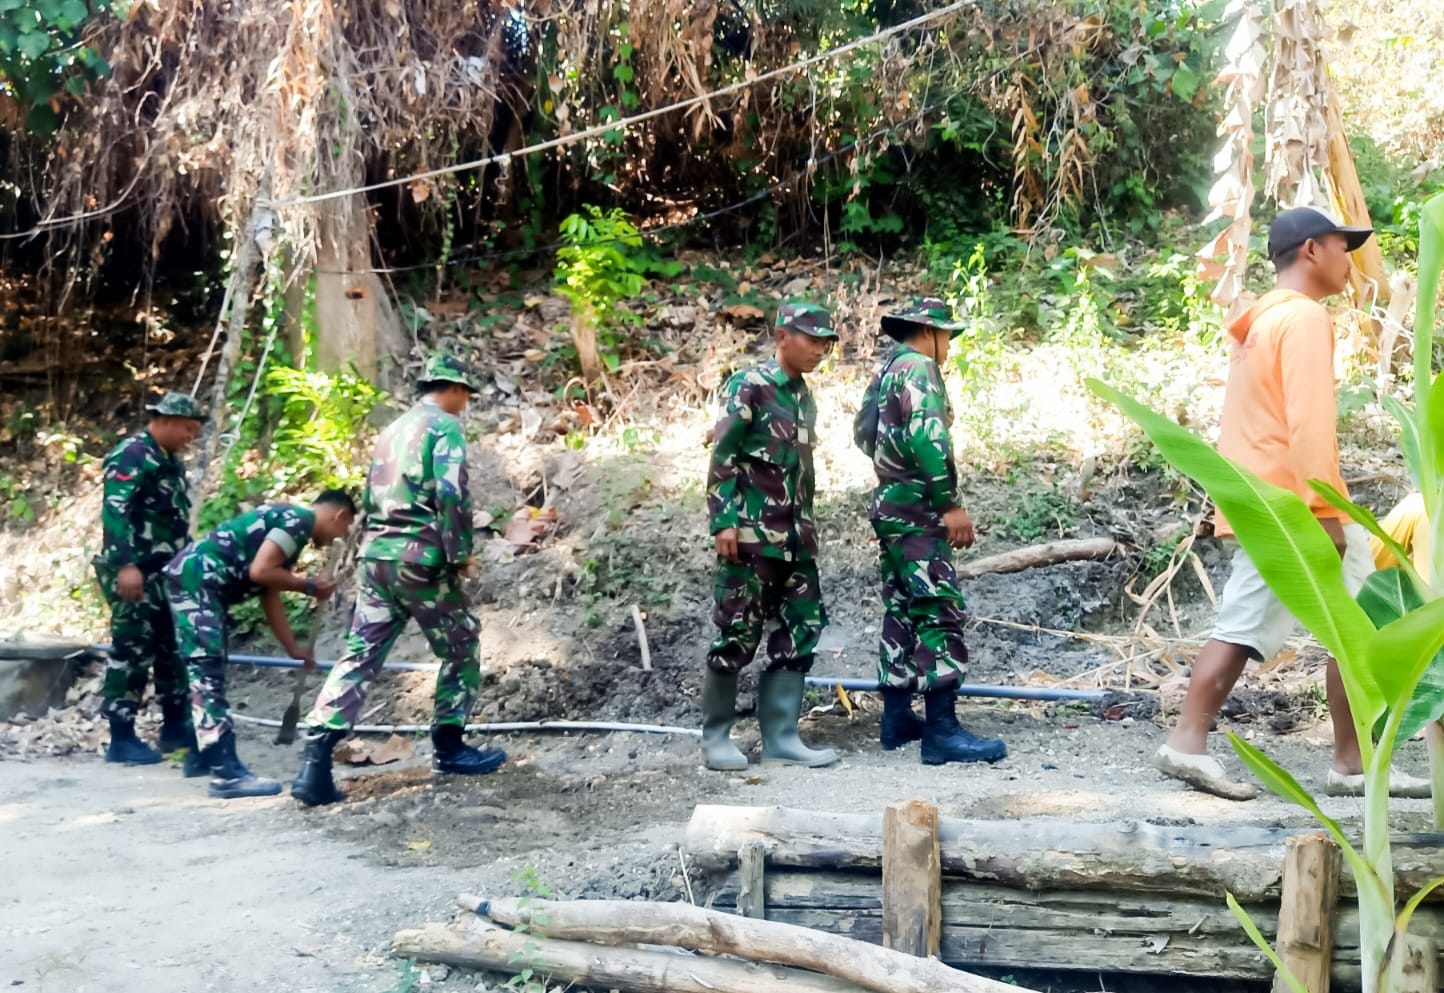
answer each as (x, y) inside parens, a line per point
(759, 495)
(252, 554)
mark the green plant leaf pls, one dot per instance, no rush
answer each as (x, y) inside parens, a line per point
(1251, 929)
(1408, 435)
(1281, 782)
(1365, 519)
(1185, 82)
(1400, 652)
(1286, 543)
(1387, 596)
(1401, 923)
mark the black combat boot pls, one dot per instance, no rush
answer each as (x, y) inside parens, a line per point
(175, 726)
(125, 747)
(314, 785)
(899, 724)
(945, 740)
(452, 755)
(230, 779)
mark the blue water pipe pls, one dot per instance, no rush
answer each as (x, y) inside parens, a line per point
(984, 690)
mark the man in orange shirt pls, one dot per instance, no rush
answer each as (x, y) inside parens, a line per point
(1278, 421)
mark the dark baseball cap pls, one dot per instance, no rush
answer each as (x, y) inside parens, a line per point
(1298, 224)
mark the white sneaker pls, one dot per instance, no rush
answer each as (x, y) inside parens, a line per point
(1401, 785)
(1202, 772)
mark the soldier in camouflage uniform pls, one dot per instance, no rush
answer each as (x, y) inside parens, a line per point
(919, 520)
(418, 546)
(252, 554)
(759, 497)
(145, 519)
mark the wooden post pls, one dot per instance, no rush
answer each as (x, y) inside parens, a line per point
(1306, 910)
(912, 881)
(751, 868)
(1415, 966)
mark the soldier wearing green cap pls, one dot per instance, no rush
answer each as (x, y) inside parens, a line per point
(903, 424)
(418, 546)
(759, 497)
(145, 519)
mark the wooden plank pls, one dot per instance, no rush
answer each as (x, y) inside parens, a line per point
(1416, 968)
(752, 890)
(1128, 857)
(911, 878)
(1306, 911)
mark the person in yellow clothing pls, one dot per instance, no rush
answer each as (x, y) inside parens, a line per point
(1408, 524)
(1279, 414)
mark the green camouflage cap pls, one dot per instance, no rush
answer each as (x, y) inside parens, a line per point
(443, 368)
(927, 312)
(808, 318)
(175, 404)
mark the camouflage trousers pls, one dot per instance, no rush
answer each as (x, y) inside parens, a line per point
(922, 645)
(758, 590)
(199, 615)
(142, 645)
(390, 594)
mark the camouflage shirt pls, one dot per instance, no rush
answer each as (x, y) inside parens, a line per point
(229, 550)
(917, 479)
(145, 516)
(418, 506)
(761, 480)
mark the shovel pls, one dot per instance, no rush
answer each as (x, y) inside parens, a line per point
(287, 734)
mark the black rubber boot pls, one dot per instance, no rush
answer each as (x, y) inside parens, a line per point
(230, 779)
(719, 712)
(125, 747)
(899, 724)
(314, 785)
(452, 755)
(175, 727)
(194, 766)
(945, 740)
(779, 704)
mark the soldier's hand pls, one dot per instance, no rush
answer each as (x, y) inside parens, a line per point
(727, 545)
(325, 586)
(960, 528)
(130, 584)
(467, 569)
(307, 659)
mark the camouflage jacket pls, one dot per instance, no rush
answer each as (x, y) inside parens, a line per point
(227, 552)
(418, 505)
(917, 479)
(145, 516)
(761, 479)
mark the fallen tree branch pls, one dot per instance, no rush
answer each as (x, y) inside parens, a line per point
(1052, 553)
(627, 922)
(633, 970)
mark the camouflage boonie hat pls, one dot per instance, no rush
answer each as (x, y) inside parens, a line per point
(808, 318)
(442, 368)
(927, 312)
(175, 404)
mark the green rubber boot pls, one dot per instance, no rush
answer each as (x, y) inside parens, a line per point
(719, 711)
(779, 704)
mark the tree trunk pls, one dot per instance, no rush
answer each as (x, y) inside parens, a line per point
(1306, 911)
(622, 922)
(355, 322)
(584, 337)
(630, 969)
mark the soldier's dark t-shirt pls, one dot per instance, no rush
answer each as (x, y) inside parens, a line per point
(222, 559)
(145, 513)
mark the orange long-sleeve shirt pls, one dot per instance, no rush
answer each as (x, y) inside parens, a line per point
(1279, 408)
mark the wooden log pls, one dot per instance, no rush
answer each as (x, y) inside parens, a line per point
(631, 969)
(1129, 857)
(911, 878)
(1051, 553)
(1306, 911)
(1147, 933)
(623, 922)
(1415, 966)
(751, 871)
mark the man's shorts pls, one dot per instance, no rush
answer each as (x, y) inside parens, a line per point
(1250, 615)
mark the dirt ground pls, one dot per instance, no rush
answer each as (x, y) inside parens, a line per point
(131, 880)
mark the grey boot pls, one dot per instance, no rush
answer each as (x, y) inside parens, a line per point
(779, 704)
(719, 711)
